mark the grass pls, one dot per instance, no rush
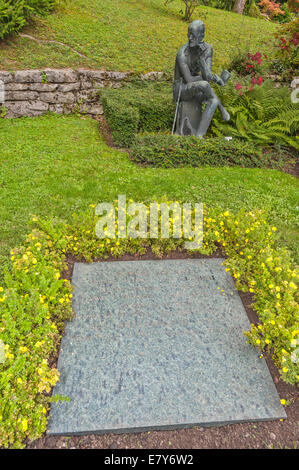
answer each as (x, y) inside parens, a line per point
(55, 166)
(137, 35)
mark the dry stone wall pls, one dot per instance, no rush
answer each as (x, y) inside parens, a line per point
(36, 92)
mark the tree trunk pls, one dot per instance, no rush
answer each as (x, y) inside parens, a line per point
(239, 6)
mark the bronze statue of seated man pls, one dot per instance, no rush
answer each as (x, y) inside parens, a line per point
(191, 87)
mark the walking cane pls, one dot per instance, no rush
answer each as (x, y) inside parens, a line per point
(177, 107)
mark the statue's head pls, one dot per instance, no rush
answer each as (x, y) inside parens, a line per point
(196, 32)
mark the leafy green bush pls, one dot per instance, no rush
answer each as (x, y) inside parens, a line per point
(138, 107)
(14, 14)
(123, 119)
(172, 151)
(286, 17)
(286, 60)
(253, 11)
(189, 7)
(244, 63)
(263, 114)
(34, 302)
(223, 4)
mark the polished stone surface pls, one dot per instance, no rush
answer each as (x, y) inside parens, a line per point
(156, 344)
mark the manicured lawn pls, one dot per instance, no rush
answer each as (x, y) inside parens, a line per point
(57, 165)
(138, 35)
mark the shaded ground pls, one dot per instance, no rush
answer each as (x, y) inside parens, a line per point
(258, 435)
(293, 170)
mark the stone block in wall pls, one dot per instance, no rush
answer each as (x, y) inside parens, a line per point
(93, 86)
(91, 75)
(91, 108)
(25, 108)
(102, 75)
(21, 95)
(28, 76)
(6, 77)
(68, 109)
(66, 87)
(118, 76)
(12, 86)
(56, 108)
(95, 109)
(38, 106)
(152, 76)
(87, 95)
(86, 85)
(61, 75)
(43, 87)
(58, 98)
(61, 108)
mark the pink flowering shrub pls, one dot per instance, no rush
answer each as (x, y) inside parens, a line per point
(271, 8)
(245, 64)
(286, 61)
(249, 67)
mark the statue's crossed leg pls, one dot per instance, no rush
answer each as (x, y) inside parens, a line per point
(202, 92)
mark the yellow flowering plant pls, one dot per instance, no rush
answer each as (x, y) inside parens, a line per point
(37, 300)
(30, 308)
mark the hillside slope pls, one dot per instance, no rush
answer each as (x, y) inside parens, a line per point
(138, 35)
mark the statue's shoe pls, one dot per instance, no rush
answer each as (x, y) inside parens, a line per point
(225, 115)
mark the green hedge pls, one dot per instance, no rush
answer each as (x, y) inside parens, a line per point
(14, 14)
(172, 151)
(138, 108)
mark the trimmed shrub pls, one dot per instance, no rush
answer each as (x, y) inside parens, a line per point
(14, 14)
(138, 107)
(172, 151)
(254, 11)
(123, 120)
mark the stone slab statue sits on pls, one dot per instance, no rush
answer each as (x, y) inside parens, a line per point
(191, 87)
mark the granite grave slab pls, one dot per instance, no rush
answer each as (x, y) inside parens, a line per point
(158, 344)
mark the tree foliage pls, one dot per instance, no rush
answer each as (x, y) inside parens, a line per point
(189, 7)
(14, 14)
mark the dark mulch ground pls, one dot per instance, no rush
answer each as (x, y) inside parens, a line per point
(258, 435)
(294, 171)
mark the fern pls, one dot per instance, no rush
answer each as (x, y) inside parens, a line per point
(262, 115)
